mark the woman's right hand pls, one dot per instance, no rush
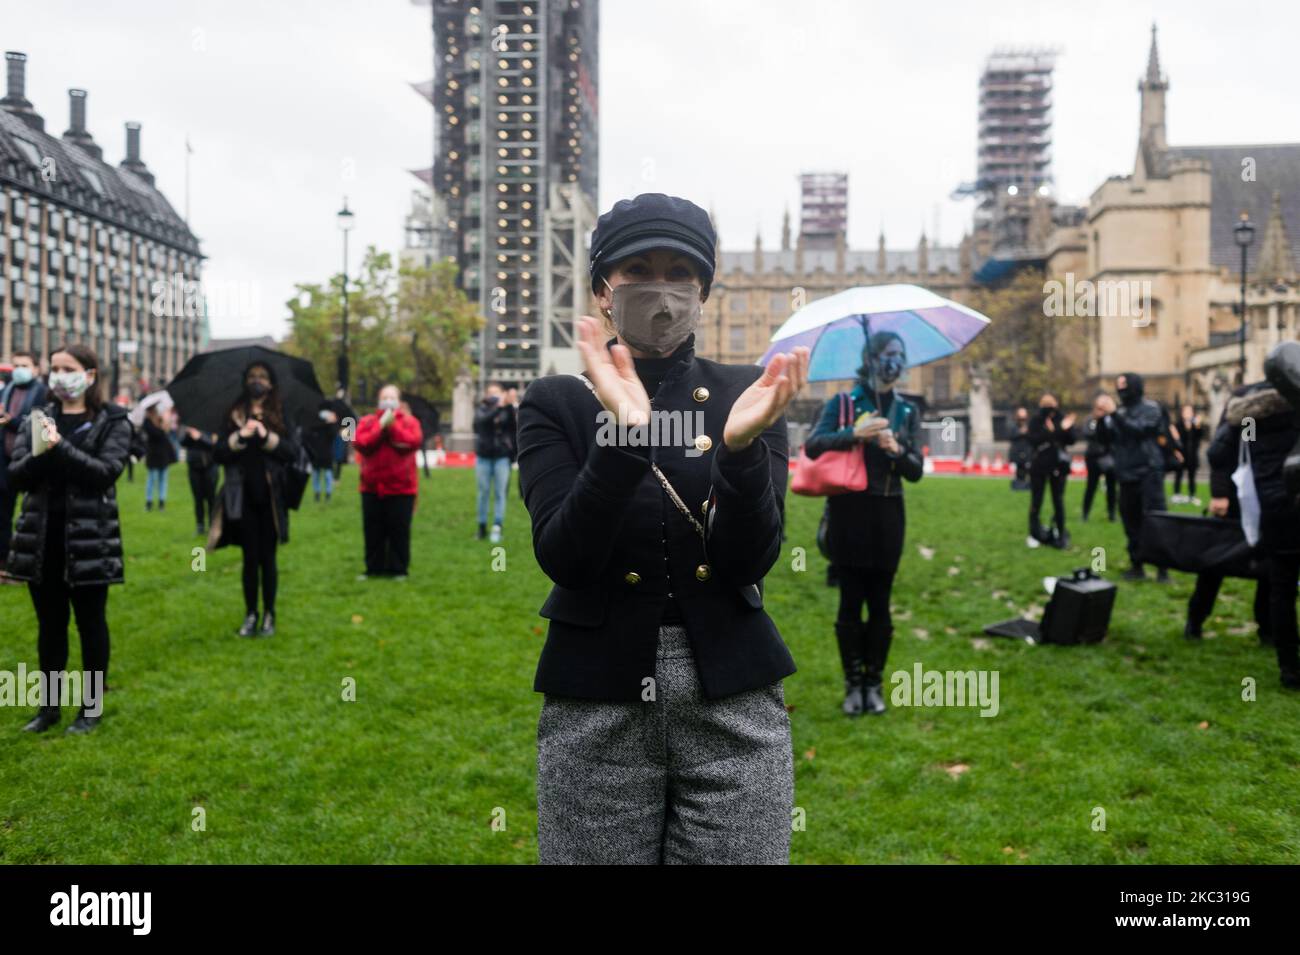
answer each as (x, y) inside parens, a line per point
(249, 429)
(611, 371)
(869, 428)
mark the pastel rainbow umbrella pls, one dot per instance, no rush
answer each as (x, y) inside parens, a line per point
(836, 328)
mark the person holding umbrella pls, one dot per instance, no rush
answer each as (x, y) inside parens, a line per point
(386, 443)
(865, 532)
(664, 736)
(68, 545)
(256, 445)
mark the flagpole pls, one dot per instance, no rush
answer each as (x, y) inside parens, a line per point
(188, 150)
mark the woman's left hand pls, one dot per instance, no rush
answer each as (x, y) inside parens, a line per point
(763, 402)
(51, 433)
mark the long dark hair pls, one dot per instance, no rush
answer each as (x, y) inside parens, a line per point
(87, 359)
(874, 346)
(272, 408)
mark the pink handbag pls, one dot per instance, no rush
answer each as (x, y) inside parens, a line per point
(831, 472)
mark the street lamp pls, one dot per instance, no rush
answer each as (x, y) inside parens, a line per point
(345, 226)
(1244, 233)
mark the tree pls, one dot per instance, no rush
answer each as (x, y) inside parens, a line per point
(410, 327)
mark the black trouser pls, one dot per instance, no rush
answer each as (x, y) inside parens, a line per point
(1137, 498)
(1038, 481)
(258, 538)
(859, 585)
(1188, 468)
(1095, 474)
(8, 497)
(1283, 575)
(387, 525)
(203, 487)
(55, 602)
(1201, 604)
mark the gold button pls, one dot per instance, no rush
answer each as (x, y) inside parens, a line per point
(704, 509)
(700, 394)
(632, 577)
(702, 572)
(703, 442)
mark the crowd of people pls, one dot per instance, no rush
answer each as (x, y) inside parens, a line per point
(663, 735)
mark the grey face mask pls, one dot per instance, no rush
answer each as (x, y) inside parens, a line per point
(656, 317)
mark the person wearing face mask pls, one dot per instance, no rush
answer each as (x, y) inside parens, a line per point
(319, 442)
(24, 392)
(386, 442)
(495, 424)
(1135, 430)
(1021, 451)
(865, 533)
(160, 454)
(203, 475)
(1050, 434)
(1098, 458)
(654, 483)
(68, 544)
(256, 448)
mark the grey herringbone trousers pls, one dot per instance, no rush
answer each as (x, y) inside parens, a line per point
(679, 779)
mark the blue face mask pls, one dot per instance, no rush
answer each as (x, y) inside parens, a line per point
(23, 375)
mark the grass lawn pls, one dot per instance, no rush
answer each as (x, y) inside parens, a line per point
(441, 738)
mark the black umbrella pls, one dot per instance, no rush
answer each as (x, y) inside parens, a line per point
(210, 383)
(424, 412)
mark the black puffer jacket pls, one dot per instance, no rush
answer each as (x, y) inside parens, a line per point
(1048, 443)
(1133, 432)
(94, 539)
(1276, 431)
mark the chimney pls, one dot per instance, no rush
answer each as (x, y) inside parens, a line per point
(15, 98)
(77, 134)
(132, 163)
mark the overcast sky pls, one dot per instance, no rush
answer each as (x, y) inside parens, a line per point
(290, 105)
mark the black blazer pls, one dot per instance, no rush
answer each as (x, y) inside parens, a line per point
(615, 545)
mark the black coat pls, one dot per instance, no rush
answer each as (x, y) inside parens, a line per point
(1048, 444)
(159, 450)
(1276, 431)
(318, 439)
(494, 431)
(1133, 431)
(35, 395)
(94, 539)
(198, 451)
(278, 452)
(614, 544)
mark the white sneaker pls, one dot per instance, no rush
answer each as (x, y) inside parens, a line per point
(495, 535)
(1032, 541)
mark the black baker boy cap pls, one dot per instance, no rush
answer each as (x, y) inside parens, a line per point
(653, 221)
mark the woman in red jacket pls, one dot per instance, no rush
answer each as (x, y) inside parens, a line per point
(386, 442)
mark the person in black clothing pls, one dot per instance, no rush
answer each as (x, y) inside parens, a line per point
(865, 529)
(1050, 435)
(1225, 504)
(160, 454)
(18, 397)
(68, 545)
(256, 447)
(1191, 432)
(1098, 458)
(663, 736)
(1269, 425)
(495, 424)
(318, 439)
(1136, 431)
(1021, 451)
(203, 474)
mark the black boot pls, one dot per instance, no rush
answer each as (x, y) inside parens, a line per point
(45, 717)
(268, 624)
(249, 627)
(877, 639)
(849, 638)
(482, 532)
(82, 724)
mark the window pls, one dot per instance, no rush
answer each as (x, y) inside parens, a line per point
(92, 177)
(779, 304)
(738, 302)
(736, 338)
(29, 151)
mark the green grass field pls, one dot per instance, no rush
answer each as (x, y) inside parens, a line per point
(441, 737)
